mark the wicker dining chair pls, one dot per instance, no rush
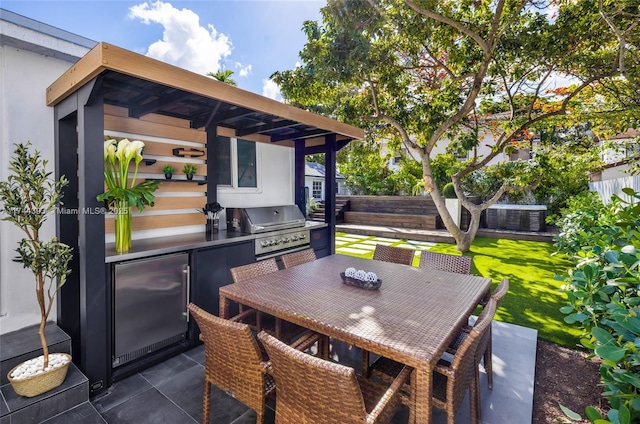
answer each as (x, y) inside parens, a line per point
(313, 390)
(485, 350)
(393, 254)
(233, 363)
(245, 272)
(285, 331)
(445, 262)
(450, 379)
(396, 255)
(297, 258)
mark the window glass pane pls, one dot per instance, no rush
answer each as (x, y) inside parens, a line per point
(224, 160)
(247, 175)
(317, 189)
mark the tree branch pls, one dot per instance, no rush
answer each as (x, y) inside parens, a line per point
(454, 24)
(620, 35)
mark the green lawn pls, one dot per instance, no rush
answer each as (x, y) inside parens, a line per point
(534, 297)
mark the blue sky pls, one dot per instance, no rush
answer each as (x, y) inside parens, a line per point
(252, 38)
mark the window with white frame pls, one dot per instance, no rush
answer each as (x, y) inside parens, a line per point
(237, 163)
(316, 190)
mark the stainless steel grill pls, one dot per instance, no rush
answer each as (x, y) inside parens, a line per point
(278, 229)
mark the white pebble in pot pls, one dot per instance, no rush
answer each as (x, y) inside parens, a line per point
(371, 277)
(350, 272)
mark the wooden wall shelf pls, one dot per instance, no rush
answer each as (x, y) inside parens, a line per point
(200, 182)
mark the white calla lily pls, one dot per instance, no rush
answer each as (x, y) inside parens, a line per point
(110, 150)
(135, 150)
(118, 197)
(121, 152)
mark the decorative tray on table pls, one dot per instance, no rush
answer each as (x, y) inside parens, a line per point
(361, 279)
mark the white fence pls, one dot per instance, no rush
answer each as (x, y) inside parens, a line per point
(608, 188)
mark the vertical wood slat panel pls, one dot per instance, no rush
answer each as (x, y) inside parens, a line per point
(154, 222)
(116, 119)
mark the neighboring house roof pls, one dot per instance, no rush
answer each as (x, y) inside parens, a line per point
(28, 34)
(630, 133)
(316, 170)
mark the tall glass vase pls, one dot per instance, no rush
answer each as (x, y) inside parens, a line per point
(123, 226)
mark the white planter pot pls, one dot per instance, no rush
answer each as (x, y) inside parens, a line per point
(455, 209)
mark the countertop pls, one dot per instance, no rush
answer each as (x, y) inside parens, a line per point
(171, 244)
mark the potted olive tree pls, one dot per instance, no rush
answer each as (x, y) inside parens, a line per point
(27, 198)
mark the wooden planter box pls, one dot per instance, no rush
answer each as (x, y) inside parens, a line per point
(517, 217)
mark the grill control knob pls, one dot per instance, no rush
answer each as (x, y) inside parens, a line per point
(264, 243)
(303, 236)
(294, 238)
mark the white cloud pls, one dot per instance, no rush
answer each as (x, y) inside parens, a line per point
(245, 70)
(271, 90)
(184, 42)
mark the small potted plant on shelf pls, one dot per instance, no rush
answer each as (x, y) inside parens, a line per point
(28, 197)
(189, 169)
(168, 171)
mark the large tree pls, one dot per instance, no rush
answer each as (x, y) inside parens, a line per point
(418, 70)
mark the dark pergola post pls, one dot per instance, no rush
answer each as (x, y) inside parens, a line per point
(83, 303)
(212, 162)
(330, 149)
(298, 179)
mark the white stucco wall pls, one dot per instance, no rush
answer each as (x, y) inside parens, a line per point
(486, 141)
(275, 180)
(24, 77)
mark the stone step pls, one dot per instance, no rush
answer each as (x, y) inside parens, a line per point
(21, 345)
(15, 409)
(24, 344)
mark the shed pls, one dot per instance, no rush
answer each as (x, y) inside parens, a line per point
(314, 181)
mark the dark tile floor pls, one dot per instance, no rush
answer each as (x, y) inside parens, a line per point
(171, 392)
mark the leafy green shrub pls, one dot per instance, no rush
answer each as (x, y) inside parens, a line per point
(581, 223)
(604, 299)
(443, 166)
(448, 191)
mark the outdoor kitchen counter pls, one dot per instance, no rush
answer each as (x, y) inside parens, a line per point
(314, 224)
(171, 244)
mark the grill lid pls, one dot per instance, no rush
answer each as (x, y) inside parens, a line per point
(264, 219)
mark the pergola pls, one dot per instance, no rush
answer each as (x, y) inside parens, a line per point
(150, 90)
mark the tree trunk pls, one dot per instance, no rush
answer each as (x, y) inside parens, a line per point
(43, 319)
(45, 347)
(463, 238)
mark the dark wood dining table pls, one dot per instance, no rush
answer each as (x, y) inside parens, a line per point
(411, 318)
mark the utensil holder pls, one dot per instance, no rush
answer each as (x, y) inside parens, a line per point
(212, 226)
